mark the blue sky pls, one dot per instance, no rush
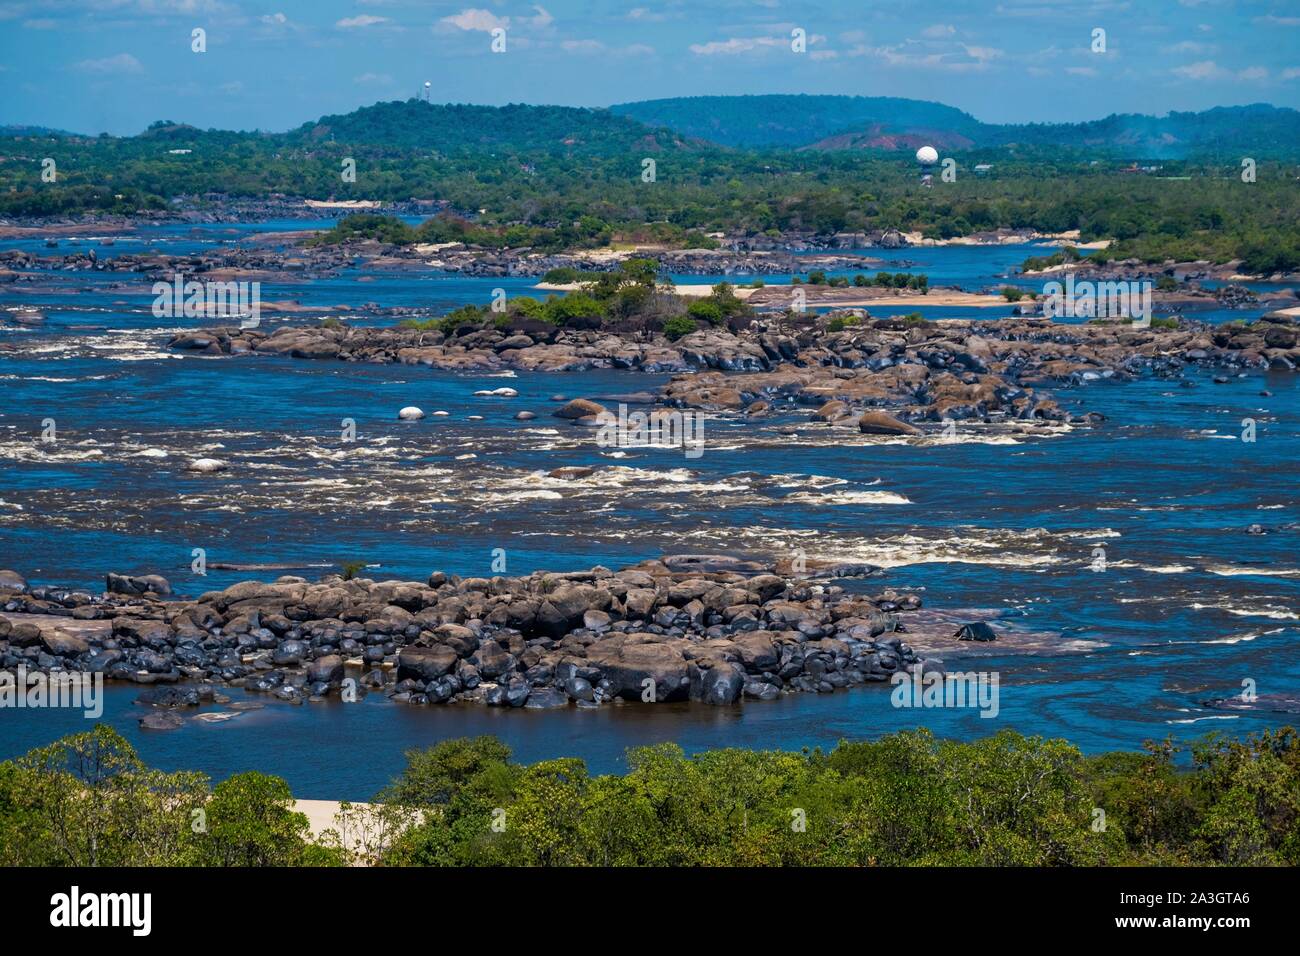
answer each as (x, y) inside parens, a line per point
(116, 65)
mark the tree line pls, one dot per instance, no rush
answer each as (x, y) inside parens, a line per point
(906, 799)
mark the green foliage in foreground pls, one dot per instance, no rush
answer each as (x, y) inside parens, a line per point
(907, 799)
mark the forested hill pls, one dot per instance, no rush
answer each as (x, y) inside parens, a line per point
(794, 120)
(1255, 130)
(461, 128)
(888, 123)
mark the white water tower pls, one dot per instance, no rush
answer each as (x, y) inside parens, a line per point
(926, 157)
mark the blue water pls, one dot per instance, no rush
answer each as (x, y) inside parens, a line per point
(1188, 607)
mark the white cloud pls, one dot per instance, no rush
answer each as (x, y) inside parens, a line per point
(372, 79)
(1188, 46)
(472, 18)
(1291, 73)
(939, 31)
(981, 53)
(963, 59)
(1204, 70)
(274, 19)
(122, 63)
(1253, 73)
(736, 45)
(1080, 71)
(358, 22)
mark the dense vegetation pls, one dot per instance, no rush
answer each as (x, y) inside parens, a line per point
(629, 297)
(907, 799)
(547, 177)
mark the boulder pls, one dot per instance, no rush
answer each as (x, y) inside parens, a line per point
(720, 684)
(581, 408)
(169, 697)
(161, 720)
(12, 581)
(545, 698)
(289, 653)
(757, 652)
(138, 585)
(424, 663)
(63, 644)
(628, 668)
(878, 423)
(975, 631)
(563, 609)
(326, 670)
(207, 466)
(579, 688)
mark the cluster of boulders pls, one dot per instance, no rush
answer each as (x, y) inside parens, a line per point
(1023, 348)
(528, 345)
(962, 370)
(952, 370)
(218, 263)
(701, 628)
(701, 262)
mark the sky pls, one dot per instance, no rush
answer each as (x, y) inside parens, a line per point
(115, 66)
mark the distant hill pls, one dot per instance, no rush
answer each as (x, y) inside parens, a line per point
(795, 120)
(454, 128)
(19, 130)
(1255, 130)
(700, 124)
(889, 123)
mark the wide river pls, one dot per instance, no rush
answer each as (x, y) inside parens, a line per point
(1188, 607)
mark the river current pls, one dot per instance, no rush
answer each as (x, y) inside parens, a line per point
(1130, 536)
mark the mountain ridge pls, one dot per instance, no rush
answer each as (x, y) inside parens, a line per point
(806, 121)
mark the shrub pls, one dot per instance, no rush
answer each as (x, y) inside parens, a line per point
(705, 310)
(562, 275)
(678, 326)
(698, 240)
